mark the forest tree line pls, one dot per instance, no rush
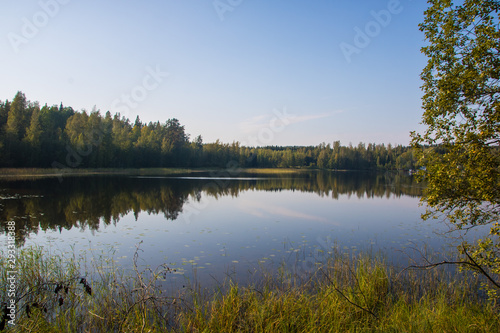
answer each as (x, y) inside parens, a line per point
(60, 137)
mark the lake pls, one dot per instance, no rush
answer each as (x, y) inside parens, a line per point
(208, 226)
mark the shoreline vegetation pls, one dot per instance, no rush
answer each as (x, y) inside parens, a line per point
(58, 292)
(53, 172)
(21, 173)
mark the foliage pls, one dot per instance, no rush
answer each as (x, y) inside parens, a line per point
(462, 114)
(59, 137)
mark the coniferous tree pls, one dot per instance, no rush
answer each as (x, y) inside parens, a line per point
(33, 138)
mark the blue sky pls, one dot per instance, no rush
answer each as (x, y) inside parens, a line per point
(275, 72)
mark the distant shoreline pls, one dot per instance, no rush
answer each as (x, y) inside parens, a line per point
(24, 173)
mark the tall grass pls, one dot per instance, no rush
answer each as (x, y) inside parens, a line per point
(274, 170)
(347, 293)
(60, 293)
(29, 173)
(355, 293)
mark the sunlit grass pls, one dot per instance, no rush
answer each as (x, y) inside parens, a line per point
(346, 293)
(55, 172)
(274, 170)
(349, 293)
(32, 173)
(27, 173)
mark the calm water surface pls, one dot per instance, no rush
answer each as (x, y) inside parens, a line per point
(216, 226)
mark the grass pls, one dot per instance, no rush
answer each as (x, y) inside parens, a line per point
(349, 293)
(274, 170)
(30, 173)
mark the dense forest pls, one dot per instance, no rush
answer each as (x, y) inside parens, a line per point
(60, 137)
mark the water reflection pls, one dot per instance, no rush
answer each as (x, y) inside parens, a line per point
(90, 202)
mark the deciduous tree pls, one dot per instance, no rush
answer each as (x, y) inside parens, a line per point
(462, 117)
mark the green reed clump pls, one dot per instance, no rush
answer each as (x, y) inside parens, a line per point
(58, 293)
(61, 293)
(348, 293)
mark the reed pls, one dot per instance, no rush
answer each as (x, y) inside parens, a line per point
(274, 171)
(54, 172)
(348, 292)
(35, 173)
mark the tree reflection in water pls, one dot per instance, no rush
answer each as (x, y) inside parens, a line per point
(87, 201)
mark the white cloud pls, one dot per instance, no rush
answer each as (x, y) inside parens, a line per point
(259, 122)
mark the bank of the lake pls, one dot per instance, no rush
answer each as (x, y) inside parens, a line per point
(21, 173)
(56, 172)
(63, 293)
